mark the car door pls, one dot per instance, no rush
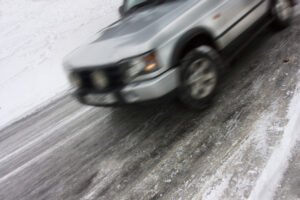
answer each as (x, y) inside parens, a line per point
(235, 16)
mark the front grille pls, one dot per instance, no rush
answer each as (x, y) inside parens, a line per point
(114, 74)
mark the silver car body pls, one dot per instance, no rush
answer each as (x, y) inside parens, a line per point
(161, 28)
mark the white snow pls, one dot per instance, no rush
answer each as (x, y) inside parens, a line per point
(277, 158)
(35, 35)
(278, 163)
(217, 190)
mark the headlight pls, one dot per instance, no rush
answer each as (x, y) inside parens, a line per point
(99, 79)
(75, 80)
(142, 65)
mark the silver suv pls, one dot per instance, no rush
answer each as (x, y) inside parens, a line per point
(164, 47)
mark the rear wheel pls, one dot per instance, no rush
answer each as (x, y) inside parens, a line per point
(199, 77)
(282, 12)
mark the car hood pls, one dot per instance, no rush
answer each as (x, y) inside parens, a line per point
(131, 36)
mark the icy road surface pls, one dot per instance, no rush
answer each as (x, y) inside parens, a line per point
(232, 150)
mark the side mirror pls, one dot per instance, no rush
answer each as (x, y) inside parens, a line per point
(121, 10)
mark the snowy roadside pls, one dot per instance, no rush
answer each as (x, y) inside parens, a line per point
(252, 168)
(34, 38)
(256, 170)
(273, 172)
(278, 163)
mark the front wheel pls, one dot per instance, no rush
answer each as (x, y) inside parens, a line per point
(199, 77)
(282, 12)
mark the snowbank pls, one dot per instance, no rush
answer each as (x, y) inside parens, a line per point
(278, 163)
(34, 37)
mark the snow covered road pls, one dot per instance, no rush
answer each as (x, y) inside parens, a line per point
(68, 151)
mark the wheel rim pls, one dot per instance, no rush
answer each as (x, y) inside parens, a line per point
(201, 78)
(283, 9)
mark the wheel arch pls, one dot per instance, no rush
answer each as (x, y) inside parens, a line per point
(189, 40)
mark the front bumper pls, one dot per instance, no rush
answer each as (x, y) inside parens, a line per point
(133, 93)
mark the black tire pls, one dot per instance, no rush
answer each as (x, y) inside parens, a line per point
(199, 54)
(280, 22)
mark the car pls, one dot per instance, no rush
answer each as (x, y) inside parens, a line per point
(168, 48)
